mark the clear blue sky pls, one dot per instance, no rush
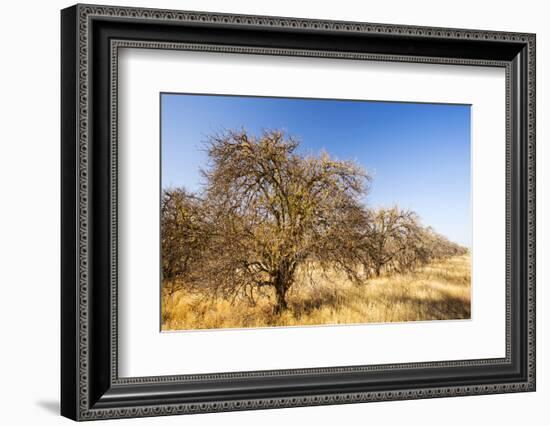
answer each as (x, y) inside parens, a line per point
(418, 154)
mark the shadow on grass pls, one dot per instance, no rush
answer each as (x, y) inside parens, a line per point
(444, 308)
(319, 299)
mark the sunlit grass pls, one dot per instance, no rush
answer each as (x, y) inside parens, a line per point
(439, 291)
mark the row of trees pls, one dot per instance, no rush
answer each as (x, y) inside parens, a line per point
(267, 212)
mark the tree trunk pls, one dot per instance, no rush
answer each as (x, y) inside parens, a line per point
(281, 305)
(282, 282)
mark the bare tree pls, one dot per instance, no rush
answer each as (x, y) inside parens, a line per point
(268, 211)
(390, 233)
(395, 240)
(437, 246)
(277, 211)
(184, 236)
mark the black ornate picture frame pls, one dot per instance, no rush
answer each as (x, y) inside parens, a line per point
(90, 38)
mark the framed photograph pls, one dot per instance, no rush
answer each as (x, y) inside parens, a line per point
(263, 212)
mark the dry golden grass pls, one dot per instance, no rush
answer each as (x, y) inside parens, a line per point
(439, 291)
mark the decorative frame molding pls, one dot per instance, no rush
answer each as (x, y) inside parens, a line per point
(91, 37)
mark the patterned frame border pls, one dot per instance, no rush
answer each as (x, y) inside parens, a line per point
(85, 14)
(116, 45)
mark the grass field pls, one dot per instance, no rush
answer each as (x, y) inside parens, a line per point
(439, 291)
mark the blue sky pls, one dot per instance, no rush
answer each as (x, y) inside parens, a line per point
(418, 154)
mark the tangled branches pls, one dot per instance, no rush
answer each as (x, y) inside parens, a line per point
(267, 212)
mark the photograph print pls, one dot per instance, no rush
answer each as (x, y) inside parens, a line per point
(280, 212)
